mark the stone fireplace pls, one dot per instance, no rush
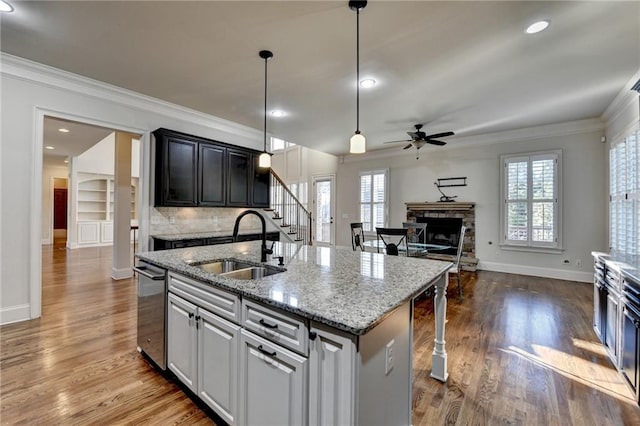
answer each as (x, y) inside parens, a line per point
(444, 220)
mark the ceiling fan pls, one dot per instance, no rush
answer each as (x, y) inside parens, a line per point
(420, 138)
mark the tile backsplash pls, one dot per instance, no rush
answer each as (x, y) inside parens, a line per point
(186, 220)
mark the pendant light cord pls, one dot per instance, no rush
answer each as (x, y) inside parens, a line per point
(265, 104)
(358, 70)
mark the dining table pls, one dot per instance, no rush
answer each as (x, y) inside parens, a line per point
(415, 249)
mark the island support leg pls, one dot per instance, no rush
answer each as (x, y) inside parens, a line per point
(439, 356)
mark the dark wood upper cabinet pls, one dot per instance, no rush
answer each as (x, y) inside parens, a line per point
(191, 171)
(212, 175)
(176, 165)
(239, 163)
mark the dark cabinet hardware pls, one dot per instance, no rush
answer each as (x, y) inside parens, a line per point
(267, 325)
(262, 350)
(312, 335)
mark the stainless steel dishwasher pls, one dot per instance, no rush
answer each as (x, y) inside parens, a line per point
(152, 312)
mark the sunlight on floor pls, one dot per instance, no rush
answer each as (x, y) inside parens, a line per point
(557, 361)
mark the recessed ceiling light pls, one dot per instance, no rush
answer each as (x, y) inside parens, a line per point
(367, 83)
(5, 7)
(63, 130)
(49, 147)
(278, 113)
(66, 161)
(536, 27)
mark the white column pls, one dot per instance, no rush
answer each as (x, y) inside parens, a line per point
(122, 261)
(439, 356)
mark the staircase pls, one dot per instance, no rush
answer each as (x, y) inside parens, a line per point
(288, 213)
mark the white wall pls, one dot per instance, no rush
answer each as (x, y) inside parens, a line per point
(100, 157)
(412, 180)
(28, 89)
(50, 171)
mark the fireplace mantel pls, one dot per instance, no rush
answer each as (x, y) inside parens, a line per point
(453, 205)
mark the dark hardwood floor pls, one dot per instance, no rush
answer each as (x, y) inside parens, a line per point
(521, 351)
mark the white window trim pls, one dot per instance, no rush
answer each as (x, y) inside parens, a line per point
(540, 247)
(372, 233)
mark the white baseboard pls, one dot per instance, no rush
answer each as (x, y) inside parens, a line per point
(536, 271)
(15, 314)
(121, 274)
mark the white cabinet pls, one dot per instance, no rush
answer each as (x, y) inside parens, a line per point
(331, 377)
(88, 232)
(203, 350)
(218, 350)
(182, 339)
(273, 383)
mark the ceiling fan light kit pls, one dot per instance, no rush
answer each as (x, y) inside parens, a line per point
(420, 138)
(358, 143)
(264, 160)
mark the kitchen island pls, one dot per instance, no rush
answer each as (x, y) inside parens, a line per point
(325, 339)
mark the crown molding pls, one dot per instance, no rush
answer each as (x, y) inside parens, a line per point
(509, 136)
(44, 75)
(622, 100)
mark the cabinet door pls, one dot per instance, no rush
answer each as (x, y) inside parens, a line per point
(331, 378)
(176, 167)
(218, 350)
(182, 340)
(610, 333)
(239, 169)
(261, 182)
(211, 175)
(629, 356)
(597, 323)
(273, 384)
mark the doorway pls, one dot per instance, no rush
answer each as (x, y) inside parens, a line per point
(60, 209)
(324, 210)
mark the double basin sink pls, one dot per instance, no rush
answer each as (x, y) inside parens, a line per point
(239, 270)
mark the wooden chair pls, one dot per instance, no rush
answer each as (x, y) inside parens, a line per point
(416, 233)
(455, 269)
(395, 238)
(357, 236)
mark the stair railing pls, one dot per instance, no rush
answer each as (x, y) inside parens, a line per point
(295, 218)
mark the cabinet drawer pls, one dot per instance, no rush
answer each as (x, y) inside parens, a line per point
(215, 300)
(285, 329)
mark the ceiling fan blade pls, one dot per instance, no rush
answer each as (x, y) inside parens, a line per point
(439, 135)
(408, 146)
(435, 142)
(404, 140)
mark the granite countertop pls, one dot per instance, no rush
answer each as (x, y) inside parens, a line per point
(628, 265)
(208, 234)
(349, 290)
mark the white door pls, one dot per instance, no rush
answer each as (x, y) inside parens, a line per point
(273, 384)
(218, 351)
(324, 210)
(182, 341)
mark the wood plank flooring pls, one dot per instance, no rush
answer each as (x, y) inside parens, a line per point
(521, 351)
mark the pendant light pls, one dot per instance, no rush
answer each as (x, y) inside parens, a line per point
(358, 143)
(264, 161)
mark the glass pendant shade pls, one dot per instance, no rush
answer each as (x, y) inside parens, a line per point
(358, 144)
(264, 160)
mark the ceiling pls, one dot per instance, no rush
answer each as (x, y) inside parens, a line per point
(462, 66)
(79, 138)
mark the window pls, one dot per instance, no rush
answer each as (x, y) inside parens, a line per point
(530, 216)
(624, 195)
(373, 199)
(279, 144)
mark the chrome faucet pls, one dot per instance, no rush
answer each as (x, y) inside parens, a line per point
(264, 251)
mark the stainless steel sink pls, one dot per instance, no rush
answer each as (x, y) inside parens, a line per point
(252, 273)
(223, 266)
(238, 270)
